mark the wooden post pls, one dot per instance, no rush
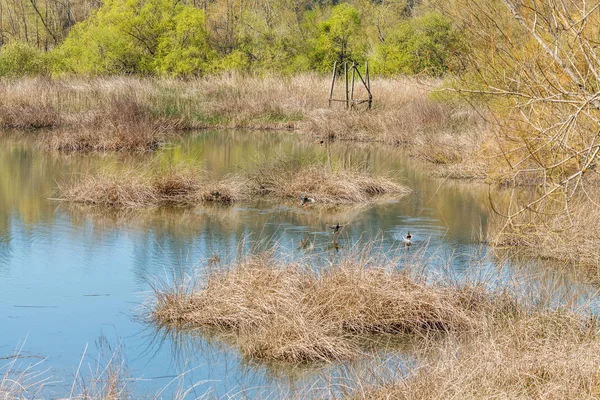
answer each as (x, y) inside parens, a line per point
(367, 75)
(368, 84)
(346, 73)
(332, 82)
(352, 90)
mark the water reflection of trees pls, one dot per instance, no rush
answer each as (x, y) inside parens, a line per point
(28, 176)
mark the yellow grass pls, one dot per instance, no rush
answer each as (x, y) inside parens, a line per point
(286, 178)
(440, 132)
(186, 186)
(569, 238)
(541, 355)
(294, 313)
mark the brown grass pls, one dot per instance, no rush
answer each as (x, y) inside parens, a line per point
(185, 186)
(286, 178)
(135, 139)
(569, 238)
(123, 125)
(294, 313)
(537, 355)
(130, 188)
(28, 116)
(440, 132)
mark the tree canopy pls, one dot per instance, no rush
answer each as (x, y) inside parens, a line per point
(192, 37)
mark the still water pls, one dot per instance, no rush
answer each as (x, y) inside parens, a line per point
(70, 276)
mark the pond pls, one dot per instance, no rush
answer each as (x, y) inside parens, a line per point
(72, 277)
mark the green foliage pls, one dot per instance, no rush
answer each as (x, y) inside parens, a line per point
(176, 38)
(339, 39)
(138, 36)
(424, 45)
(184, 50)
(20, 59)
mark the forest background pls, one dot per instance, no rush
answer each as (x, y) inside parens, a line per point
(193, 38)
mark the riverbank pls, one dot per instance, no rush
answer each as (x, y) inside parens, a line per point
(136, 114)
(567, 236)
(533, 355)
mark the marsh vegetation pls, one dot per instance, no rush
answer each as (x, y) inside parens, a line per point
(499, 91)
(282, 178)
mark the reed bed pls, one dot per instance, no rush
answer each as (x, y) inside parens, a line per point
(186, 186)
(287, 178)
(133, 189)
(537, 355)
(296, 313)
(123, 125)
(440, 132)
(28, 116)
(570, 238)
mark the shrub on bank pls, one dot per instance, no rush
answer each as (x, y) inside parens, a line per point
(20, 59)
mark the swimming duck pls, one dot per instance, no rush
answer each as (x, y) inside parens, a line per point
(407, 239)
(337, 228)
(304, 200)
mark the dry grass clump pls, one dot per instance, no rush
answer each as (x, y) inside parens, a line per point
(538, 355)
(106, 379)
(28, 116)
(287, 178)
(129, 188)
(571, 238)
(182, 186)
(140, 138)
(292, 312)
(21, 382)
(123, 125)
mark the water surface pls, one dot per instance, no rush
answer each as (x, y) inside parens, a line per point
(69, 276)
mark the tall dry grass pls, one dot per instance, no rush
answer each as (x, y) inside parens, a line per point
(534, 355)
(131, 188)
(106, 379)
(286, 178)
(441, 132)
(102, 376)
(295, 312)
(18, 381)
(184, 186)
(570, 237)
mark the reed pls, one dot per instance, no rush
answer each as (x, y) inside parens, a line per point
(130, 188)
(185, 186)
(536, 355)
(441, 132)
(295, 313)
(287, 178)
(569, 237)
(28, 116)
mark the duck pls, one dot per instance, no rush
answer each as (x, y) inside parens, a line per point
(337, 228)
(407, 239)
(304, 200)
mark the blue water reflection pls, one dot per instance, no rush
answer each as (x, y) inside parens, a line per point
(68, 276)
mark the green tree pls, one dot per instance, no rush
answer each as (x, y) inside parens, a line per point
(138, 36)
(428, 44)
(18, 59)
(339, 39)
(184, 49)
